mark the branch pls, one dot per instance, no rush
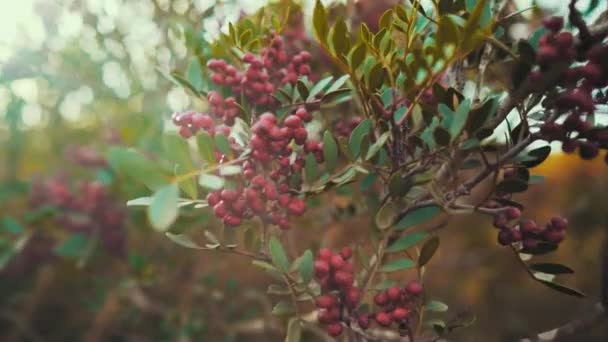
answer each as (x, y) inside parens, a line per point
(597, 315)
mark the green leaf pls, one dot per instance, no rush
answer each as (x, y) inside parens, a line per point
(320, 86)
(540, 249)
(320, 23)
(563, 289)
(163, 210)
(140, 201)
(330, 151)
(194, 74)
(302, 89)
(12, 226)
(306, 266)
(460, 118)
(428, 250)
(230, 170)
(386, 284)
(356, 137)
(386, 215)
(338, 84)
(177, 150)
(222, 143)
(376, 76)
(212, 182)
(437, 324)
(278, 255)
(183, 240)
(512, 185)
(537, 156)
(406, 242)
(536, 179)
(398, 265)
(357, 55)
(442, 136)
(417, 217)
(340, 39)
(310, 168)
(375, 148)
(399, 186)
(551, 268)
(73, 247)
(294, 330)
(436, 306)
(206, 147)
(283, 308)
(137, 167)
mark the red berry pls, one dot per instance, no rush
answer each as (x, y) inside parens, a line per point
(504, 237)
(304, 114)
(325, 301)
(516, 235)
(554, 236)
(588, 150)
(346, 253)
(296, 207)
(559, 223)
(248, 58)
(335, 329)
(337, 262)
(353, 296)
(213, 198)
(217, 79)
(393, 293)
(554, 24)
(220, 210)
(363, 321)
(325, 254)
(381, 299)
(200, 120)
(231, 220)
(513, 213)
(185, 132)
(547, 54)
(569, 146)
(564, 40)
(383, 319)
(529, 227)
(414, 288)
(229, 195)
(500, 221)
(321, 268)
(400, 314)
(326, 317)
(269, 118)
(293, 121)
(343, 279)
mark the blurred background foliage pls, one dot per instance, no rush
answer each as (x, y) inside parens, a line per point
(77, 77)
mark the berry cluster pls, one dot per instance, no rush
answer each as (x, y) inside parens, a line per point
(528, 232)
(89, 209)
(574, 96)
(340, 297)
(344, 127)
(271, 139)
(271, 172)
(398, 305)
(273, 68)
(85, 156)
(261, 197)
(190, 123)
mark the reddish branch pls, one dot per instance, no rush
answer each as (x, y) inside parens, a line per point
(597, 315)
